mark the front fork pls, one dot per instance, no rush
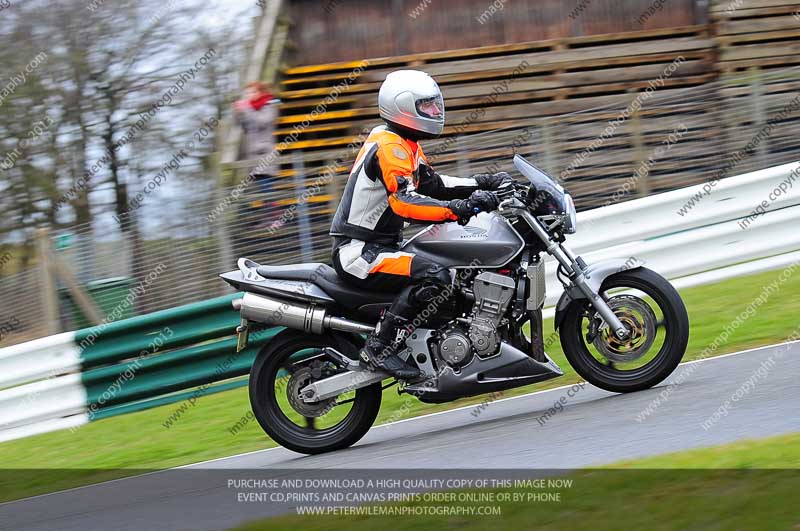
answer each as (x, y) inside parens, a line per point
(575, 268)
(596, 298)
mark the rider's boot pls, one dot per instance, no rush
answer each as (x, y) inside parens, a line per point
(381, 348)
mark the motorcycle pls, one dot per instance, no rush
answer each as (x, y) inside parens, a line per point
(621, 328)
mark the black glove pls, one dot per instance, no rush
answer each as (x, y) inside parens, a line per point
(494, 181)
(485, 201)
(464, 209)
(479, 201)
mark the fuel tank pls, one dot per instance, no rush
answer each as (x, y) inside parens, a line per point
(488, 240)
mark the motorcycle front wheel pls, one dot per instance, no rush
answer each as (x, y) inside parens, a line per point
(282, 368)
(652, 309)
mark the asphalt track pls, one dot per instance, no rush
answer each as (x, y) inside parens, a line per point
(593, 428)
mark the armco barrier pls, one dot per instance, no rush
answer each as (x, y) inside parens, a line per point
(115, 368)
(70, 379)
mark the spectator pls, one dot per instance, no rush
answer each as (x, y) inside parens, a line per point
(256, 113)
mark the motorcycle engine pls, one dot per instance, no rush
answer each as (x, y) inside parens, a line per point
(493, 293)
(455, 348)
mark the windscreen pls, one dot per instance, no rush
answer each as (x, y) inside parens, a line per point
(549, 193)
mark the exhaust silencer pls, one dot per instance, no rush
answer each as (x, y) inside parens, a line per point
(305, 317)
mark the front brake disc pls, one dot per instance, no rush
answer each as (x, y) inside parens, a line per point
(639, 318)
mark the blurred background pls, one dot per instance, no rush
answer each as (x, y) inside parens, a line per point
(125, 164)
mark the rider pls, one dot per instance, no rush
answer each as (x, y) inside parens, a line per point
(392, 182)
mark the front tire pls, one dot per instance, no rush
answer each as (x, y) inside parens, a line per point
(280, 357)
(615, 377)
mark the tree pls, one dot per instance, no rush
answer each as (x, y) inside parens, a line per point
(106, 64)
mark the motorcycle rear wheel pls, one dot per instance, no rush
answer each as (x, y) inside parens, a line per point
(281, 363)
(610, 374)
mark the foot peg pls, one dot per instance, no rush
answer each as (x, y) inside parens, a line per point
(341, 360)
(391, 364)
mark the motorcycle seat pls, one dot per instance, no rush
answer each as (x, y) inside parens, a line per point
(305, 272)
(326, 278)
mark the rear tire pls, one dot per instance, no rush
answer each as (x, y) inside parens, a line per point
(268, 365)
(676, 323)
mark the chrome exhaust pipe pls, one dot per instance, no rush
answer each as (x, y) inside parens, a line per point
(306, 317)
(346, 325)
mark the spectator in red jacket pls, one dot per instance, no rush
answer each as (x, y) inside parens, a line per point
(257, 113)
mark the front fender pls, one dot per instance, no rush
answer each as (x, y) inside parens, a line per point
(595, 274)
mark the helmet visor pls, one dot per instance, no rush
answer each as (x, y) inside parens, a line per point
(431, 107)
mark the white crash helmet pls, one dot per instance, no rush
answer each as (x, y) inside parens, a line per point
(412, 100)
